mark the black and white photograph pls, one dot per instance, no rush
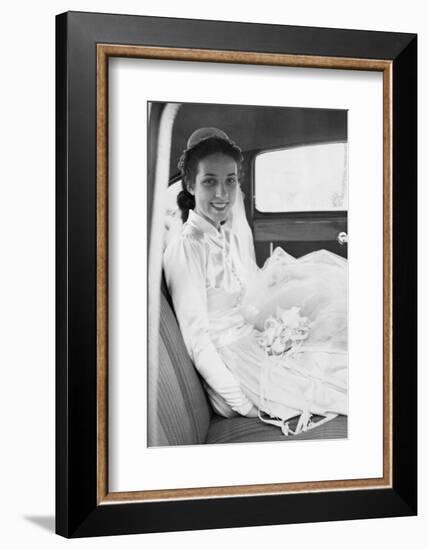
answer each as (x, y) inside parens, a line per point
(253, 286)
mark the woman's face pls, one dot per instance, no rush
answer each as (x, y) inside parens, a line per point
(215, 187)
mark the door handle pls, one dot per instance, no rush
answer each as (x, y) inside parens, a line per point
(342, 238)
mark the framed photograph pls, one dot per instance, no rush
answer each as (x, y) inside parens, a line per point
(236, 274)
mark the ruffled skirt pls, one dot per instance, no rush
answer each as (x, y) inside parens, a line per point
(314, 378)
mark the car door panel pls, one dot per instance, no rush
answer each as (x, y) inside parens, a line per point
(299, 236)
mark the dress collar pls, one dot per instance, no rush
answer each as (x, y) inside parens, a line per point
(204, 225)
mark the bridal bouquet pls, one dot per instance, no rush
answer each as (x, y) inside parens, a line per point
(284, 332)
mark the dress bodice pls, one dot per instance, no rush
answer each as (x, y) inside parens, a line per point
(225, 278)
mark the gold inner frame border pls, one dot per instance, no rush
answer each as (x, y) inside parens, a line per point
(104, 52)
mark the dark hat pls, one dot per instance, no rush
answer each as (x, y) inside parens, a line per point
(204, 134)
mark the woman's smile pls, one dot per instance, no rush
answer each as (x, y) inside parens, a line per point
(220, 206)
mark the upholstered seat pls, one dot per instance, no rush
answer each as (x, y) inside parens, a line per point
(246, 430)
(184, 415)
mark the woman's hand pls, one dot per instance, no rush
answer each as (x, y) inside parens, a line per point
(253, 412)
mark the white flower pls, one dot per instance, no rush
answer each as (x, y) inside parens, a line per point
(290, 317)
(284, 333)
(272, 329)
(262, 342)
(278, 347)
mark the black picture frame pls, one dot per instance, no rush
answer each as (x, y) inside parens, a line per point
(78, 511)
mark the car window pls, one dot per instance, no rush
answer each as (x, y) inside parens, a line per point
(302, 179)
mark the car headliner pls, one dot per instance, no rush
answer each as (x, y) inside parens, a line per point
(257, 128)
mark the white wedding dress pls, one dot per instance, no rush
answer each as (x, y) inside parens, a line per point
(221, 299)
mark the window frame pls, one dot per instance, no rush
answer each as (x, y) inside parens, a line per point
(296, 215)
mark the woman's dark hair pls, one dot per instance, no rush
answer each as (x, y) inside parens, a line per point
(188, 165)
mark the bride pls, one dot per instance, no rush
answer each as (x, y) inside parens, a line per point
(270, 342)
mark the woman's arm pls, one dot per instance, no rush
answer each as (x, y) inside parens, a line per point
(184, 265)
